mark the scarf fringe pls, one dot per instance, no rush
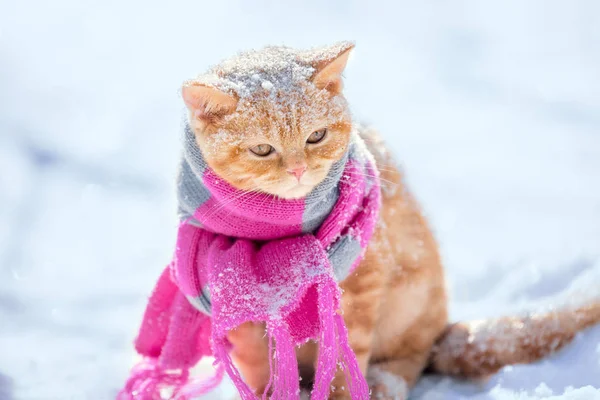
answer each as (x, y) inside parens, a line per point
(221, 351)
(201, 387)
(328, 351)
(283, 376)
(357, 384)
(169, 356)
(286, 382)
(148, 379)
(334, 349)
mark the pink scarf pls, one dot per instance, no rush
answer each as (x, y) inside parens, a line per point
(256, 258)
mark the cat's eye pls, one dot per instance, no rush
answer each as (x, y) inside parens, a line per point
(317, 136)
(262, 150)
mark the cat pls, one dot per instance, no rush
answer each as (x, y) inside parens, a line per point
(281, 139)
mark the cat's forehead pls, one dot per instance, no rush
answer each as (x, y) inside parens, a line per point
(288, 116)
(271, 69)
(286, 120)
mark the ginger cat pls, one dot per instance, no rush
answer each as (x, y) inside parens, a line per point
(274, 121)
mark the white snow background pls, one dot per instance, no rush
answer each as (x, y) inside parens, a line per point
(492, 107)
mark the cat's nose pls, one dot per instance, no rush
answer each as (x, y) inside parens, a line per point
(297, 172)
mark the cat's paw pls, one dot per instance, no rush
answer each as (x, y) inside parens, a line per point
(304, 394)
(386, 386)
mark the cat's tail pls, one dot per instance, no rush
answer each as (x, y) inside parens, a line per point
(479, 348)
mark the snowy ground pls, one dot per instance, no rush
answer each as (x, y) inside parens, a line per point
(493, 107)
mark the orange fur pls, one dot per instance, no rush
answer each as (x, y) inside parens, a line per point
(480, 348)
(394, 304)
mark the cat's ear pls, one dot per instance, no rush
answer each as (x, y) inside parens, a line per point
(329, 71)
(206, 102)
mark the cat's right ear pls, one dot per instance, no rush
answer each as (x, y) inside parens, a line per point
(207, 103)
(329, 70)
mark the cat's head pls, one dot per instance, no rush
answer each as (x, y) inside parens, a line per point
(272, 120)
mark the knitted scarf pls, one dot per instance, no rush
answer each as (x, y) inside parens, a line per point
(254, 257)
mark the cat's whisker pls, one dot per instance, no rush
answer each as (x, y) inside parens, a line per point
(357, 173)
(229, 201)
(392, 168)
(364, 174)
(245, 200)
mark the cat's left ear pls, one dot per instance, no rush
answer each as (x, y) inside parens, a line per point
(329, 71)
(207, 103)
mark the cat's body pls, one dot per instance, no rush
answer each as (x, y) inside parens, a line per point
(394, 304)
(275, 122)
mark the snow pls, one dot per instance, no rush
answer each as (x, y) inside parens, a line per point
(267, 85)
(493, 108)
(281, 67)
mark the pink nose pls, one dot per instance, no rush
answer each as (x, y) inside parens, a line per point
(297, 172)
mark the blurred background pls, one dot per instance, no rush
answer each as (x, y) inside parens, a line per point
(493, 109)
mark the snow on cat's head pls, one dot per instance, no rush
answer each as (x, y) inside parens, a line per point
(272, 120)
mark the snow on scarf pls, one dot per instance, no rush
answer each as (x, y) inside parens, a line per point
(257, 258)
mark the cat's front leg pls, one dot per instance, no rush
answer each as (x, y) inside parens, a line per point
(250, 354)
(339, 386)
(386, 381)
(395, 372)
(361, 300)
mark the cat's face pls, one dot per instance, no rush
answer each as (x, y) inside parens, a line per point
(280, 139)
(280, 149)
